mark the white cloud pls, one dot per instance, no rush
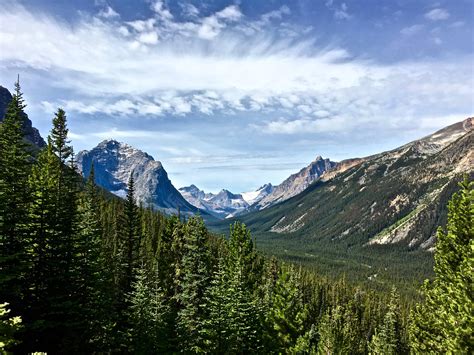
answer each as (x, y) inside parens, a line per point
(212, 25)
(189, 9)
(108, 13)
(159, 8)
(148, 37)
(411, 30)
(437, 14)
(340, 12)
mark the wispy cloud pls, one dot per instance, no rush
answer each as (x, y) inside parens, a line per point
(437, 14)
(340, 11)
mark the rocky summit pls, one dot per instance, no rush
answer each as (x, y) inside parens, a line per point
(296, 183)
(115, 161)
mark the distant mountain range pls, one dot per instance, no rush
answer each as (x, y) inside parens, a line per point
(31, 133)
(224, 204)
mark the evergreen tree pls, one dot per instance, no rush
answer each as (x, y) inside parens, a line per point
(15, 165)
(132, 236)
(444, 322)
(387, 339)
(56, 280)
(287, 315)
(148, 316)
(194, 279)
(96, 283)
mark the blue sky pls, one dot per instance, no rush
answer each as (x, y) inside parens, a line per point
(234, 94)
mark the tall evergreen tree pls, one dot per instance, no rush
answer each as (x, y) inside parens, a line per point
(56, 279)
(193, 281)
(15, 165)
(387, 339)
(148, 316)
(287, 314)
(96, 279)
(132, 234)
(444, 322)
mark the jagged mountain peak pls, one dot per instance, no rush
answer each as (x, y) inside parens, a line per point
(296, 183)
(114, 162)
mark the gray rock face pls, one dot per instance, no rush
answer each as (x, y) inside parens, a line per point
(296, 183)
(114, 162)
(31, 133)
(225, 204)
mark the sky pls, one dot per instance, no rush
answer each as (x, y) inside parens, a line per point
(235, 94)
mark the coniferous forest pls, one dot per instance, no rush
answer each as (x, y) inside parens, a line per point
(82, 271)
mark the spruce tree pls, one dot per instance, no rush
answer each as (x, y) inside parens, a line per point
(387, 339)
(15, 165)
(193, 281)
(287, 314)
(132, 236)
(148, 314)
(444, 322)
(56, 278)
(96, 278)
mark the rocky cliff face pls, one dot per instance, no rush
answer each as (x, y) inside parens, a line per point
(296, 183)
(31, 133)
(115, 161)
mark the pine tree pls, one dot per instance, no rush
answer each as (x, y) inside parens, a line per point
(132, 236)
(244, 310)
(15, 165)
(387, 339)
(217, 325)
(193, 281)
(148, 314)
(56, 279)
(96, 282)
(444, 323)
(287, 315)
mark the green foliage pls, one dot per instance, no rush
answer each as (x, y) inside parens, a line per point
(9, 326)
(148, 315)
(444, 322)
(387, 337)
(192, 282)
(15, 165)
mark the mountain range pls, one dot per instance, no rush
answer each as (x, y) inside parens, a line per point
(367, 212)
(224, 204)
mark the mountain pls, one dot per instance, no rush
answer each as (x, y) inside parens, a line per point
(256, 196)
(113, 163)
(380, 210)
(225, 204)
(31, 133)
(296, 183)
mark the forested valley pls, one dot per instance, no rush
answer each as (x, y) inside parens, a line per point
(86, 272)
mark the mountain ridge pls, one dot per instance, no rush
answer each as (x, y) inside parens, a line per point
(114, 162)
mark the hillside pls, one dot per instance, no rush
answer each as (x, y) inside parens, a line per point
(376, 217)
